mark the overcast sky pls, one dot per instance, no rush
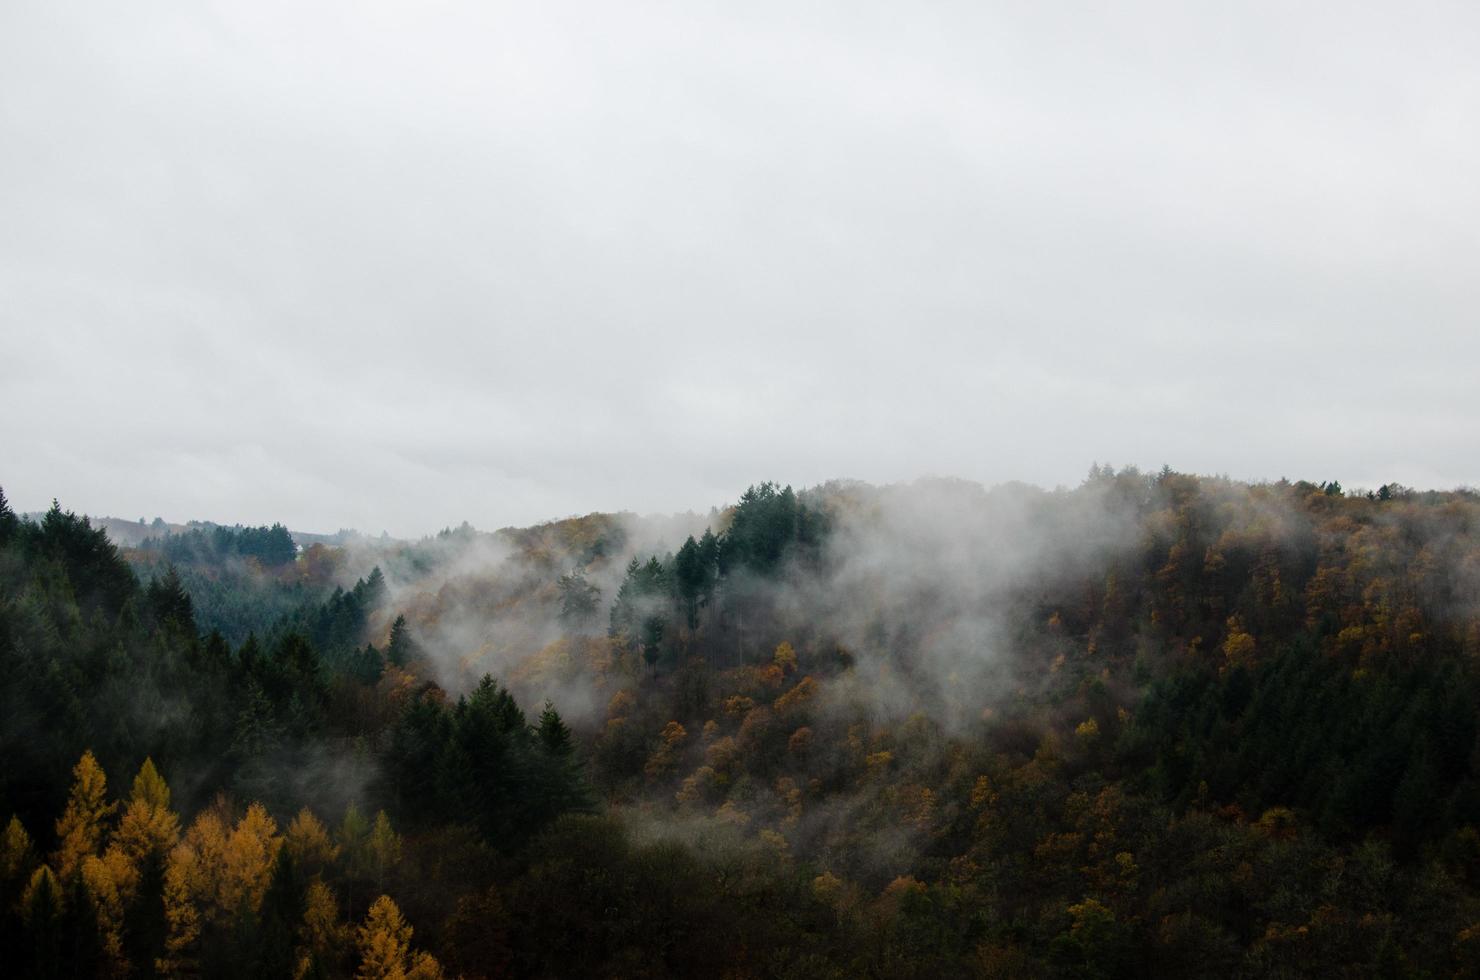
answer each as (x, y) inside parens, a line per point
(394, 266)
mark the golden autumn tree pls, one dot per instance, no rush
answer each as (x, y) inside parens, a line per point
(661, 764)
(196, 864)
(146, 834)
(149, 830)
(182, 918)
(42, 900)
(251, 853)
(215, 876)
(148, 824)
(109, 883)
(384, 943)
(322, 938)
(17, 855)
(81, 827)
(106, 878)
(308, 843)
(1239, 646)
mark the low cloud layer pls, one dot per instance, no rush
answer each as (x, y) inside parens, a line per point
(925, 587)
(394, 266)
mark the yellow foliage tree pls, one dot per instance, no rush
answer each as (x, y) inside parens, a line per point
(1238, 647)
(251, 852)
(16, 852)
(182, 919)
(308, 843)
(80, 830)
(385, 947)
(215, 875)
(110, 882)
(723, 756)
(661, 764)
(149, 787)
(698, 786)
(148, 830)
(798, 696)
(738, 704)
(321, 936)
(196, 866)
(828, 887)
(41, 902)
(148, 826)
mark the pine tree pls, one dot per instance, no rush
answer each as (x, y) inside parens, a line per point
(170, 603)
(553, 733)
(375, 589)
(560, 780)
(579, 600)
(690, 577)
(401, 649)
(9, 523)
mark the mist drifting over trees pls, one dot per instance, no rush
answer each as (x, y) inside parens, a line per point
(1157, 724)
(696, 375)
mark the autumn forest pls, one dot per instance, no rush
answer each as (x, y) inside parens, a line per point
(1154, 725)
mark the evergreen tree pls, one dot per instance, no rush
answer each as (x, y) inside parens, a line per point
(579, 600)
(169, 603)
(691, 578)
(9, 523)
(401, 649)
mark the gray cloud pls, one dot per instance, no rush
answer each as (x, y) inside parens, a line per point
(400, 265)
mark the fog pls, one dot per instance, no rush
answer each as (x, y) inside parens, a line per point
(923, 586)
(398, 266)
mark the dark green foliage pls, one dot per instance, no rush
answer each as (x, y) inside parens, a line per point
(169, 603)
(691, 578)
(643, 603)
(479, 762)
(579, 601)
(89, 659)
(401, 648)
(554, 737)
(9, 522)
(271, 546)
(337, 627)
(1241, 744)
(727, 574)
(596, 903)
(1393, 746)
(98, 579)
(765, 523)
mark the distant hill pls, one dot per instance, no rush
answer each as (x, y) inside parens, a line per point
(130, 534)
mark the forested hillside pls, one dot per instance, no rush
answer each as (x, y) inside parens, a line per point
(1155, 725)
